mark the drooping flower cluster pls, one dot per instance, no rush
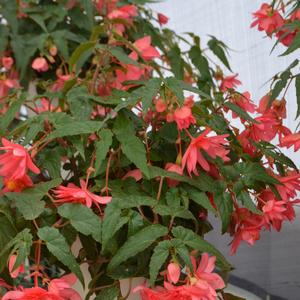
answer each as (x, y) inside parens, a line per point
(201, 284)
(273, 23)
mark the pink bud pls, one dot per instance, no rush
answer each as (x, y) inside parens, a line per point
(160, 106)
(17, 271)
(40, 64)
(162, 19)
(7, 62)
(173, 273)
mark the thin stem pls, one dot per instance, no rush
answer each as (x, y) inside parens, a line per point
(37, 263)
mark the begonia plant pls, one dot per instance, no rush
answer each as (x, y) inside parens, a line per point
(117, 142)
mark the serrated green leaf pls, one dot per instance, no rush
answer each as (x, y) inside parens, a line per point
(78, 53)
(29, 201)
(245, 198)
(176, 62)
(119, 53)
(158, 258)
(179, 212)
(131, 145)
(110, 293)
(216, 47)
(58, 246)
(225, 208)
(137, 243)
(20, 244)
(200, 62)
(173, 85)
(200, 198)
(196, 242)
(102, 147)
(82, 219)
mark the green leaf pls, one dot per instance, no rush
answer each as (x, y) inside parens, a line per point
(187, 87)
(102, 147)
(173, 85)
(20, 244)
(80, 52)
(75, 128)
(113, 221)
(177, 64)
(180, 212)
(80, 103)
(200, 62)
(196, 242)
(8, 117)
(82, 219)
(160, 254)
(228, 296)
(200, 198)
(225, 208)
(29, 201)
(131, 145)
(297, 85)
(240, 112)
(120, 54)
(245, 198)
(184, 253)
(216, 47)
(110, 293)
(137, 243)
(57, 245)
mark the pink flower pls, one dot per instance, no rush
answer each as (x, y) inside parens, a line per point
(16, 161)
(125, 12)
(162, 19)
(173, 273)
(73, 194)
(11, 262)
(267, 19)
(46, 106)
(160, 105)
(243, 101)
(213, 146)
(60, 82)
(58, 289)
(62, 287)
(290, 186)
(147, 52)
(40, 64)
(229, 82)
(183, 117)
(170, 167)
(136, 174)
(273, 212)
(7, 62)
(35, 293)
(292, 140)
(16, 185)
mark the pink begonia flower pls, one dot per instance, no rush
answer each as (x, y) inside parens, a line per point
(229, 82)
(160, 105)
(7, 62)
(247, 228)
(162, 19)
(146, 50)
(289, 186)
(16, 161)
(60, 82)
(58, 289)
(16, 185)
(212, 145)
(7, 84)
(62, 287)
(170, 167)
(267, 19)
(183, 117)
(136, 174)
(173, 272)
(201, 285)
(278, 107)
(243, 101)
(40, 64)
(73, 194)
(274, 212)
(286, 36)
(125, 12)
(18, 270)
(291, 140)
